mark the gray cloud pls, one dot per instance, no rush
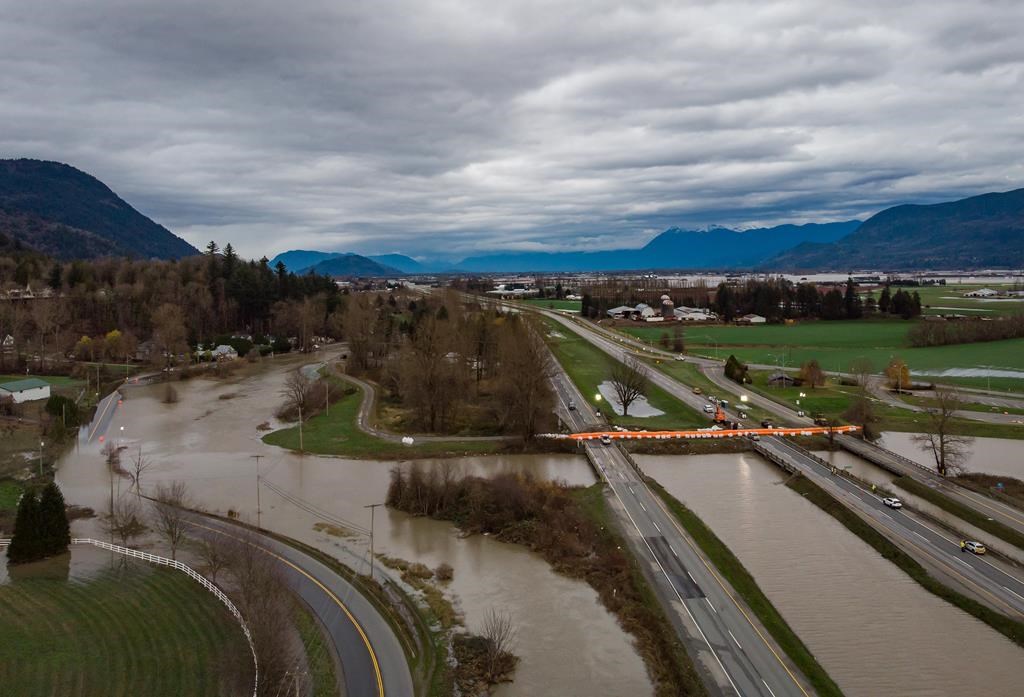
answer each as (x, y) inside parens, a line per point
(452, 127)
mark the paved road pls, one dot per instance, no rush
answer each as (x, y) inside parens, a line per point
(373, 662)
(932, 545)
(734, 656)
(714, 371)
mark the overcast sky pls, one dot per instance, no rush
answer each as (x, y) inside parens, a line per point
(451, 127)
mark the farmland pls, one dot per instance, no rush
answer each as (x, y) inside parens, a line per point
(835, 345)
(942, 300)
(552, 304)
(132, 630)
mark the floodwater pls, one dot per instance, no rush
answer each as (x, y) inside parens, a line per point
(875, 631)
(1003, 456)
(639, 408)
(568, 643)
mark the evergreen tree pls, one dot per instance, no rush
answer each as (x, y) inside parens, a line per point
(25, 543)
(852, 301)
(885, 300)
(55, 532)
(56, 276)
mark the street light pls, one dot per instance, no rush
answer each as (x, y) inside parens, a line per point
(41, 458)
(597, 397)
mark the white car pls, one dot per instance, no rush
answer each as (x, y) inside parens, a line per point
(800, 414)
(973, 547)
(572, 405)
(708, 409)
(892, 502)
(606, 440)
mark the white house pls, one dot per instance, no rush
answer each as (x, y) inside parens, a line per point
(752, 319)
(224, 353)
(27, 390)
(981, 293)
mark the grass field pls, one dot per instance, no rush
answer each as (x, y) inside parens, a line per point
(131, 631)
(589, 366)
(836, 345)
(550, 304)
(949, 299)
(337, 434)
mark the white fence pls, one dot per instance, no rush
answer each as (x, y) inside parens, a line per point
(195, 575)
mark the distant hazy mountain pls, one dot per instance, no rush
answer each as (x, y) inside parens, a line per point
(68, 214)
(299, 260)
(984, 231)
(717, 248)
(351, 265)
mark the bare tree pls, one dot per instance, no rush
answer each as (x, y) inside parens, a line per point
(214, 556)
(170, 515)
(949, 449)
(862, 369)
(124, 520)
(169, 335)
(140, 465)
(499, 631)
(629, 379)
(297, 387)
(524, 389)
(812, 374)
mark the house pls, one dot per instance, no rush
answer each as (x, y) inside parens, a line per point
(981, 293)
(780, 379)
(620, 311)
(751, 319)
(224, 353)
(27, 390)
(7, 345)
(144, 350)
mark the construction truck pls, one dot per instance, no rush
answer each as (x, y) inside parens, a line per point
(720, 418)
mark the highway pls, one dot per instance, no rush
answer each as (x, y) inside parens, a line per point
(931, 545)
(714, 371)
(732, 653)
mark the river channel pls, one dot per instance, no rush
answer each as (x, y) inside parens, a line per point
(1003, 456)
(875, 631)
(567, 642)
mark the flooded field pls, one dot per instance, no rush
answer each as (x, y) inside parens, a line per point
(874, 629)
(988, 455)
(568, 643)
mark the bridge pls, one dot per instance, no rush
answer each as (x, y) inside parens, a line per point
(710, 433)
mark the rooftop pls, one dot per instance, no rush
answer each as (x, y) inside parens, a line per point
(22, 385)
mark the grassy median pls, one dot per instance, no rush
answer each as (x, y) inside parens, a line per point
(1009, 628)
(743, 582)
(969, 515)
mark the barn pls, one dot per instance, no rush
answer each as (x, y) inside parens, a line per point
(27, 390)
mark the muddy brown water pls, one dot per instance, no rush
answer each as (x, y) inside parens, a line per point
(875, 631)
(1003, 456)
(568, 643)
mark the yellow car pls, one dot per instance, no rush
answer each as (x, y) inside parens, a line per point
(697, 390)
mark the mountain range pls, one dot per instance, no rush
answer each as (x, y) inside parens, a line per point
(979, 232)
(65, 213)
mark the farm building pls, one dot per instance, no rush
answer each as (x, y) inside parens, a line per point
(27, 390)
(751, 319)
(981, 293)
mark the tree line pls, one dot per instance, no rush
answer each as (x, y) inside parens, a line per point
(104, 308)
(966, 331)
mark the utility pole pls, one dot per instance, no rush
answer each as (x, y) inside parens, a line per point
(259, 525)
(372, 507)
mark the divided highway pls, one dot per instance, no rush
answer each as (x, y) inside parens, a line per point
(999, 588)
(730, 649)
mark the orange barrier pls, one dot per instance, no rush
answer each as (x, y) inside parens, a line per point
(709, 433)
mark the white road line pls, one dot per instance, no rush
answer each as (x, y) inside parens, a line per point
(767, 688)
(919, 535)
(712, 606)
(963, 562)
(674, 553)
(734, 639)
(642, 506)
(657, 526)
(1014, 592)
(691, 577)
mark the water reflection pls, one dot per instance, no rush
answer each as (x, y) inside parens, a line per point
(874, 629)
(987, 455)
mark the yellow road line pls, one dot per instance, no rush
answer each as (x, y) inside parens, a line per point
(325, 589)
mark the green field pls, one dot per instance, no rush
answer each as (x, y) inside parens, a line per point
(551, 304)
(949, 299)
(836, 345)
(589, 366)
(135, 630)
(337, 433)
